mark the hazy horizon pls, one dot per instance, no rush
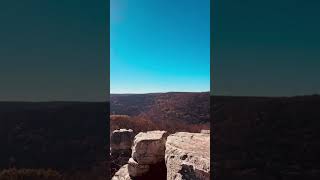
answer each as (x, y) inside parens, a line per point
(227, 95)
(163, 92)
(106, 101)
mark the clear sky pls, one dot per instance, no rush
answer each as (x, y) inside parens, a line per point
(159, 46)
(266, 47)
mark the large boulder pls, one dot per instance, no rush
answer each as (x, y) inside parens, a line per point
(187, 156)
(149, 147)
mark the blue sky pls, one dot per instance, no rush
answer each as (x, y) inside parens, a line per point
(159, 46)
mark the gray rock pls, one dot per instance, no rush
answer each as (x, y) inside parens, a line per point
(187, 156)
(149, 147)
(135, 169)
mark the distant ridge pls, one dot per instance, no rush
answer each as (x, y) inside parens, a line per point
(191, 107)
(156, 93)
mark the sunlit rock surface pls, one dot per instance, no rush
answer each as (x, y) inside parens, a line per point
(187, 156)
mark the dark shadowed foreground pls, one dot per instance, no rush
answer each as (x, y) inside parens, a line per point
(70, 138)
(266, 138)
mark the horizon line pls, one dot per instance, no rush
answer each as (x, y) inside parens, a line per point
(158, 92)
(108, 100)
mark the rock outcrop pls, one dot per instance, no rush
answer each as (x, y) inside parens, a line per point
(180, 156)
(148, 149)
(187, 156)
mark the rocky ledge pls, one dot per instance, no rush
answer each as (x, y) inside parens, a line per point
(157, 155)
(187, 156)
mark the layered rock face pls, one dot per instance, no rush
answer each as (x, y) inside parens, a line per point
(180, 156)
(148, 149)
(187, 156)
